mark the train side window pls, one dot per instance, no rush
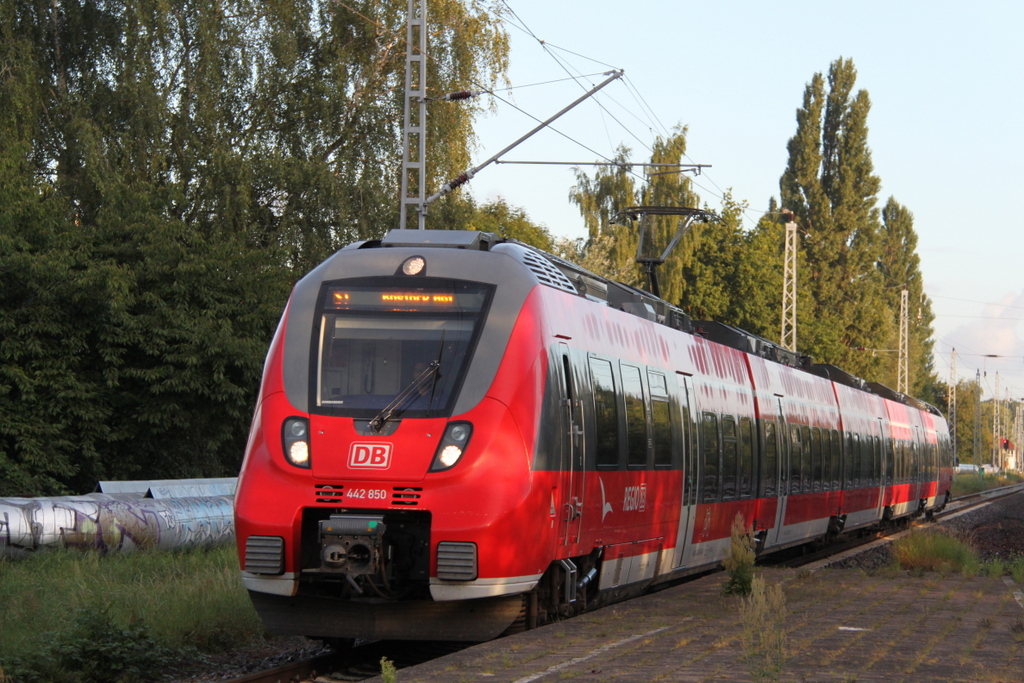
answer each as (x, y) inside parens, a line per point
(661, 419)
(865, 461)
(711, 456)
(689, 438)
(837, 461)
(795, 455)
(890, 459)
(636, 417)
(826, 461)
(606, 413)
(852, 460)
(915, 462)
(805, 461)
(746, 457)
(816, 465)
(770, 460)
(729, 457)
(878, 461)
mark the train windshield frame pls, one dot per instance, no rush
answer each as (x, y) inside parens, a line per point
(377, 336)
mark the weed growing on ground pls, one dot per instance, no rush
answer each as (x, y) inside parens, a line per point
(934, 551)
(388, 671)
(763, 617)
(1017, 569)
(740, 562)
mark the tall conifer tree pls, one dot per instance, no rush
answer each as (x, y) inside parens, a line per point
(830, 184)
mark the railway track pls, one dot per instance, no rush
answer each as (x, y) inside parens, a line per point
(954, 507)
(363, 662)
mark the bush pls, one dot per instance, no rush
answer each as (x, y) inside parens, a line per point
(95, 650)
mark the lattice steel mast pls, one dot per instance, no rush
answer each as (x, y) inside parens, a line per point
(414, 126)
(788, 336)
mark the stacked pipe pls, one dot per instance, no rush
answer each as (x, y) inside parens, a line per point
(125, 516)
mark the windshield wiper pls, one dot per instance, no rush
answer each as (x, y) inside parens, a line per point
(395, 407)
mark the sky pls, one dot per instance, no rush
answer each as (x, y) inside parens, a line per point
(946, 82)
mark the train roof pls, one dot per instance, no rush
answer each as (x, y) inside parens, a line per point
(559, 273)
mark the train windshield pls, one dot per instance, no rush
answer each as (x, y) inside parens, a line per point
(379, 336)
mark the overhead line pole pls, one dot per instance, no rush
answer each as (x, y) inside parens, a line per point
(414, 126)
(901, 379)
(788, 336)
(952, 401)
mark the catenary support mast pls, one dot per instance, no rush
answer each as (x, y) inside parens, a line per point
(414, 127)
(788, 335)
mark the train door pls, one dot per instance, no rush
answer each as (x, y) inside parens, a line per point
(571, 434)
(684, 536)
(779, 427)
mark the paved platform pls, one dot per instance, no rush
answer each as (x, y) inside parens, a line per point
(840, 625)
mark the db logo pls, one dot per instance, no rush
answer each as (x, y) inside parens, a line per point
(375, 455)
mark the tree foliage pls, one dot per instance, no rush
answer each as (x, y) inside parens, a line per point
(613, 188)
(166, 170)
(856, 259)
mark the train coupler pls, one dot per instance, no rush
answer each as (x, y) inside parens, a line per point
(352, 544)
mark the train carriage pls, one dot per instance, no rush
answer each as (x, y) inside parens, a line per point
(459, 434)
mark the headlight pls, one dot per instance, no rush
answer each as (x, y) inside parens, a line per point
(295, 435)
(414, 265)
(453, 445)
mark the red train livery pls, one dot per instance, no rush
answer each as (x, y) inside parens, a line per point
(458, 435)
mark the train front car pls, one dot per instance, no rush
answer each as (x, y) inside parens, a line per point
(387, 484)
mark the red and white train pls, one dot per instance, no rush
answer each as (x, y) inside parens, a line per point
(457, 434)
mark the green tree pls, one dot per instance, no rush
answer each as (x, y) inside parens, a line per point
(165, 172)
(512, 222)
(900, 265)
(613, 188)
(829, 183)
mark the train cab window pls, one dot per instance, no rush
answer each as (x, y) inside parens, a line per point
(795, 456)
(816, 465)
(661, 420)
(710, 458)
(729, 460)
(606, 413)
(636, 417)
(770, 459)
(746, 473)
(837, 460)
(377, 340)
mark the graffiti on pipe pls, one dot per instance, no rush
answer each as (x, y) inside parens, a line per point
(114, 523)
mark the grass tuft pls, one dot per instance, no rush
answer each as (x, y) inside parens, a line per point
(935, 551)
(967, 483)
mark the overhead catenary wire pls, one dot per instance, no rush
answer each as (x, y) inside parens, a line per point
(480, 86)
